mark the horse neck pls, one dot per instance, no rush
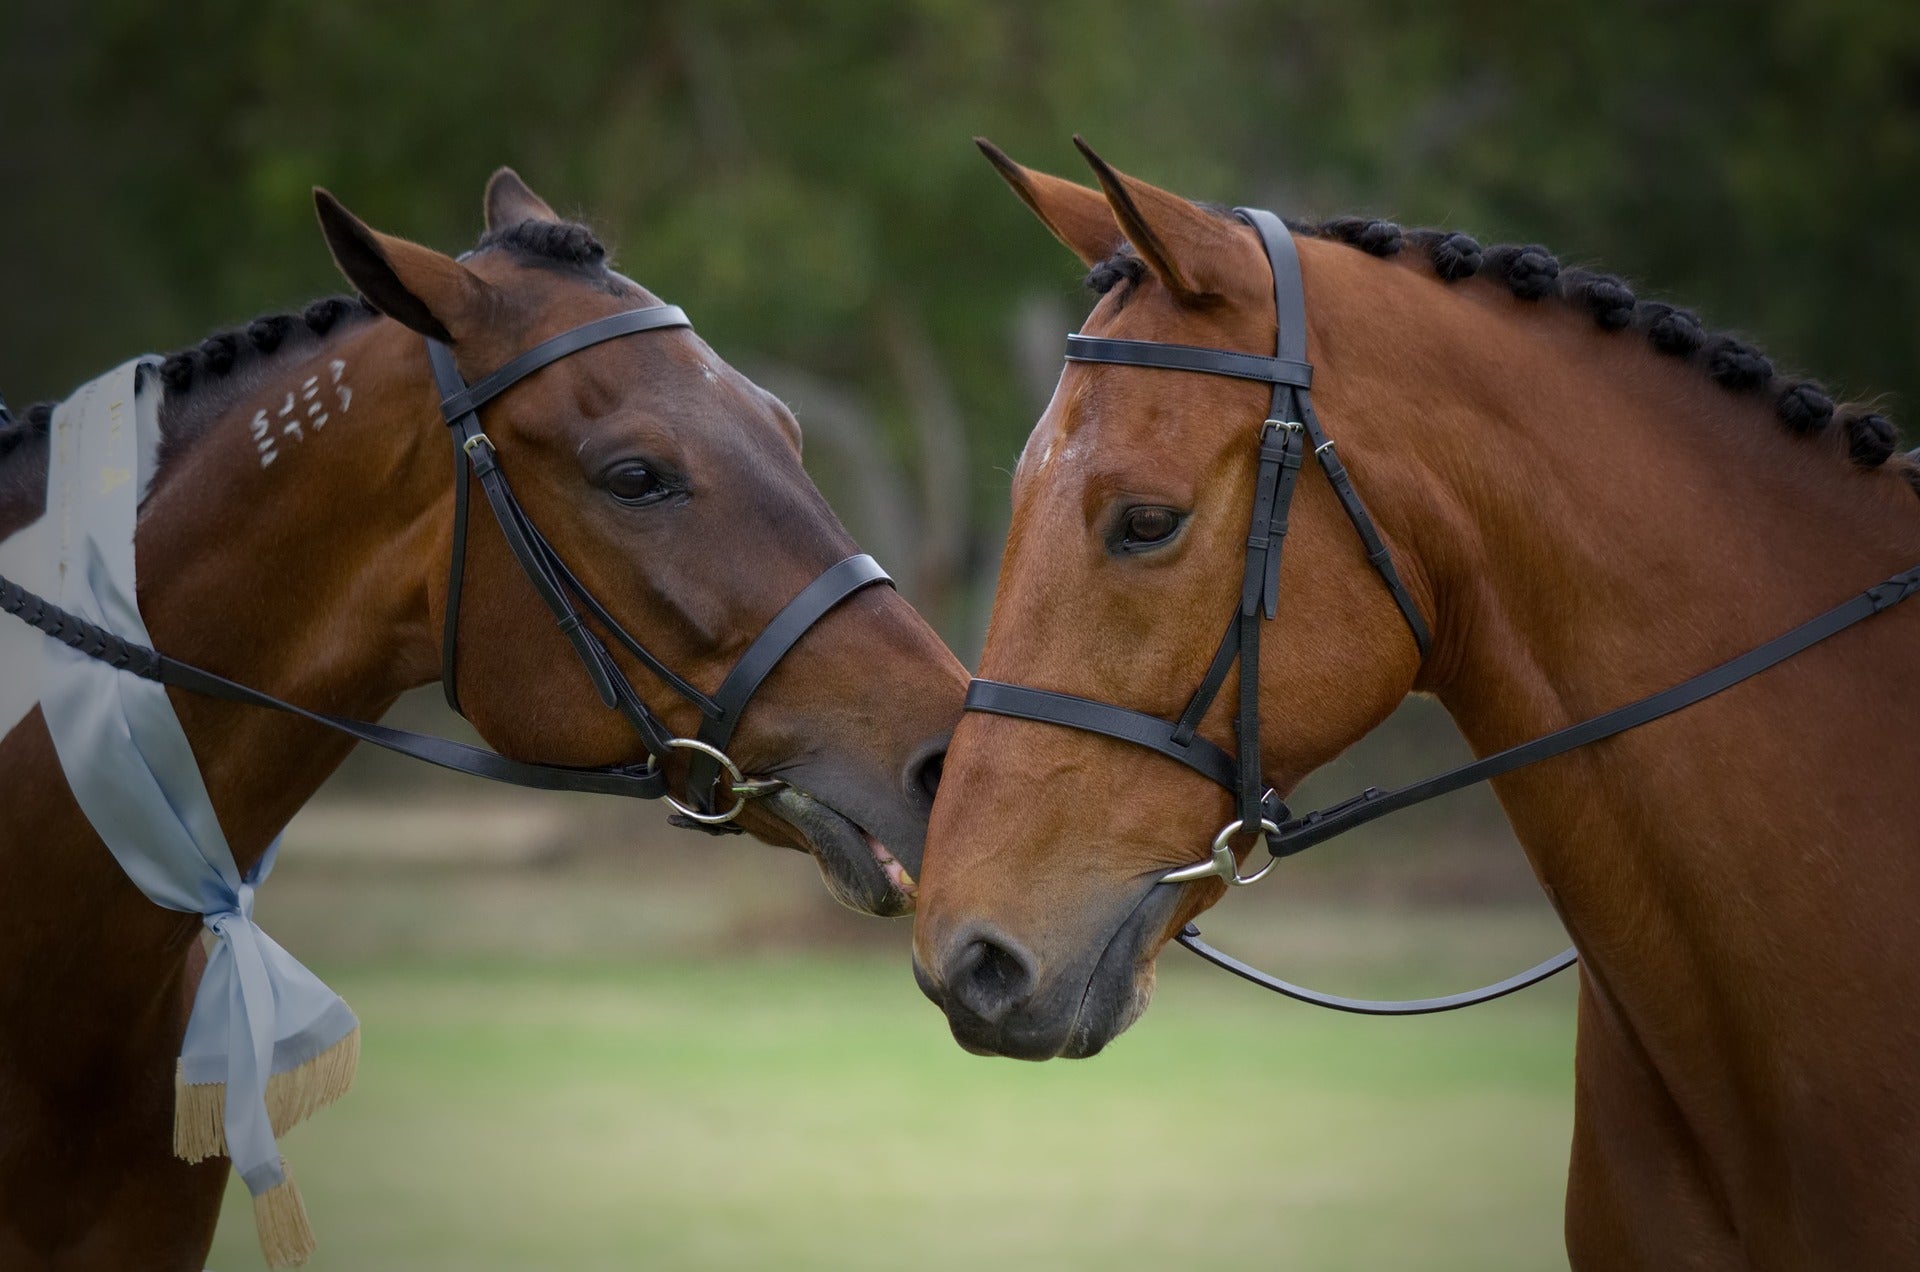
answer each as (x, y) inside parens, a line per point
(1593, 523)
(290, 548)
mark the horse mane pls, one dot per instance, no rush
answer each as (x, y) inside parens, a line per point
(229, 360)
(1533, 273)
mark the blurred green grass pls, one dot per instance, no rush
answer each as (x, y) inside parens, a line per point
(592, 1042)
(809, 1111)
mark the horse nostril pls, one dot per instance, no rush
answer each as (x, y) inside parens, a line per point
(923, 773)
(990, 978)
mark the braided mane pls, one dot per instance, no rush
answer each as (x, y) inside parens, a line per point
(1532, 273)
(224, 357)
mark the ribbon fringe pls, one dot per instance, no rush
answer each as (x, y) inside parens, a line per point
(199, 1108)
(286, 1238)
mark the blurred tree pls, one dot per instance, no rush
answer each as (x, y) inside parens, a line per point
(799, 175)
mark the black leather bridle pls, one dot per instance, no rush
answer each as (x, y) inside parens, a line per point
(475, 459)
(1290, 427)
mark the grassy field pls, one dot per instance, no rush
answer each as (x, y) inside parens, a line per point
(593, 1043)
(810, 1112)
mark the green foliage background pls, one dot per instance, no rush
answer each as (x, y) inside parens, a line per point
(799, 174)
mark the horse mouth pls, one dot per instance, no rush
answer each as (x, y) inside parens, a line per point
(859, 870)
(1121, 983)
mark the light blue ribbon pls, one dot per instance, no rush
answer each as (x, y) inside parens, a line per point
(258, 1011)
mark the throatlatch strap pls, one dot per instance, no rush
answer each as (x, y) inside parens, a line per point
(1377, 554)
(794, 620)
(1290, 310)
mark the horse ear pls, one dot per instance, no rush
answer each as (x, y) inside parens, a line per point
(1077, 216)
(431, 293)
(511, 202)
(1180, 241)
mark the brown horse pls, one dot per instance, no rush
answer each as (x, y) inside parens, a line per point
(1589, 499)
(321, 578)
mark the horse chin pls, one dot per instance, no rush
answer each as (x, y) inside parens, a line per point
(857, 868)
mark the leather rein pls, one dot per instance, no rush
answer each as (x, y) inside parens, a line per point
(1288, 431)
(716, 788)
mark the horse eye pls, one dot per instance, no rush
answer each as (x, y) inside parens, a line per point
(634, 483)
(1147, 527)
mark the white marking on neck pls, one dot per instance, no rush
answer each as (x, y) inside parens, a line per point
(300, 411)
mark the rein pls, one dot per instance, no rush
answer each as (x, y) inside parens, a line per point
(1289, 428)
(476, 459)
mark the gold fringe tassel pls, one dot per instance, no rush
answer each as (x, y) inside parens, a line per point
(286, 1238)
(199, 1108)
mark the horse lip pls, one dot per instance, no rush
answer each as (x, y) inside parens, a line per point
(857, 868)
(1085, 1037)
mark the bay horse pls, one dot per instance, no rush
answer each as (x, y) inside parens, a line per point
(670, 484)
(1588, 497)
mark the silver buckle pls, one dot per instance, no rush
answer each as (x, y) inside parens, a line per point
(1292, 426)
(1220, 862)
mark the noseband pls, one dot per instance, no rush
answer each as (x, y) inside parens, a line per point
(1290, 427)
(565, 597)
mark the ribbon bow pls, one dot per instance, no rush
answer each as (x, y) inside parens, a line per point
(267, 1043)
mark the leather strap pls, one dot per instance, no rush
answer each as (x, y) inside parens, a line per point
(1190, 937)
(590, 603)
(459, 406)
(794, 620)
(468, 399)
(639, 781)
(1047, 707)
(1178, 357)
(1289, 295)
(1303, 833)
(456, 575)
(1377, 554)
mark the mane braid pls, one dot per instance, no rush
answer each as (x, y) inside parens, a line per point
(564, 243)
(1533, 273)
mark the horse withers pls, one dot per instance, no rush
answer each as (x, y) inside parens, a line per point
(310, 560)
(1585, 499)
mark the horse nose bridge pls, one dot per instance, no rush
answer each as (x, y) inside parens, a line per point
(875, 652)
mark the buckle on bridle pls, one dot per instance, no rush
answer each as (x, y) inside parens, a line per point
(1220, 861)
(1291, 426)
(476, 440)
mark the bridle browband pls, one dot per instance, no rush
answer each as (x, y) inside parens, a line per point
(565, 597)
(1290, 427)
